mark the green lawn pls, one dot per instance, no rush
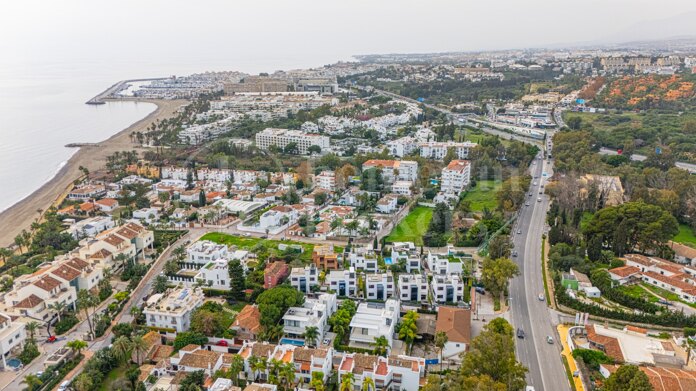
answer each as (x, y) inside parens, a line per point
(113, 376)
(247, 243)
(686, 236)
(483, 195)
(638, 292)
(412, 227)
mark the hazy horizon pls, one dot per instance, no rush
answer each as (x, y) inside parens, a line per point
(221, 32)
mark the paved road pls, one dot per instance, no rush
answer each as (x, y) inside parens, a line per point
(546, 371)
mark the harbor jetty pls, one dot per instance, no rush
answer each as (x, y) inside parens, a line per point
(109, 92)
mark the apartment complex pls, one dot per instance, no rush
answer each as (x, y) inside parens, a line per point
(379, 286)
(393, 170)
(374, 320)
(438, 150)
(456, 177)
(281, 138)
(256, 84)
(413, 287)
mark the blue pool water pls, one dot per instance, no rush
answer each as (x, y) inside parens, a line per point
(14, 363)
(289, 341)
(387, 261)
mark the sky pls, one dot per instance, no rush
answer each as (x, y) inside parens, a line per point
(156, 30)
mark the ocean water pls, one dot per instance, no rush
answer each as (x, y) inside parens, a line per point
(42, 108)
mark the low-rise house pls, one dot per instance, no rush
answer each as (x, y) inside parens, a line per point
(201, 252)
(393, 170)
(107, 205)
(387, 204)
(402, 188)
(304, 278)
(456, 324)
(172, 309)
(448, 288)
(387, 373)
(406, 252)
(148, 215)
(630, 345)
(192, 358)
(324, 257)
(379, 286)
(343, 282)
(309, 361)
(683, 254)
(260, 350)
(137, 235)
(443, 264)
(625, 274)
(87, 192)
(274, 274)
(91, 227)
(247, 324)
(373, 320)
(313, 313)
(215, 275)
(278, 216)
(12, 337)
(36, 295)
(413, 287)
(363, 258)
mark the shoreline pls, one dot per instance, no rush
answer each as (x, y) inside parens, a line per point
(20, 215)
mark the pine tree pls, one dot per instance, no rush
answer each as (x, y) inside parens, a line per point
(237, 281)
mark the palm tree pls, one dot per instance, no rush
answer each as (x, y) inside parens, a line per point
(253, 362)
(76, 345)
(274, 372)
(139, 346)
(59, 307)
(317, 381)
(236, 366)
(287, 375)
(440, 342)
(368, 384)
(352, 226)
(122, 348)
(381, 345)
(32, 381)
(31, 328)
(83, 382)
(85, 301)
(122, 259)
(347, 382)
(310, 335)
(260, 366)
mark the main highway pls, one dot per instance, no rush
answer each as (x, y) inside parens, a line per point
(528, 313)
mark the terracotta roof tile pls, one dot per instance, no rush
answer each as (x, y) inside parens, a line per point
(47, 283)
(30, 301)
(455, 322)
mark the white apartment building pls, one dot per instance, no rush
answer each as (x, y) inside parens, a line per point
(12, 336)
(393, 170)
(363, 258)
(343, 282)
(313, 313)
(172, 309)
(403, 373)
(406, 252)
(278, 216)
(282, 137)
(443, 263)
(438, 150)
(202, 252)
(413, 287)
(374, 320)
(402, 188)
(456, 177)
(448, 288)
(387, 204)
(90, 227)
(215, 275)
(379, 286)
(34, 296)
(402, 147)
(304, 278)
(326, 180)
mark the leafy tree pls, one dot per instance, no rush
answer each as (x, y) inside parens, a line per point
(160, 284)
(189, 338)
(274, 302)
(85, 301)
(500, 247)
(32, 381)
(440, 342)
(320, 198)
(347, 381)
(122, 329)
(76, 345)
(237, 280)
(314, 149)
(371, 179)
(628, 378)
(122, 348)
(496, 273)
(193, 378)
(317, 382)
(408, 331)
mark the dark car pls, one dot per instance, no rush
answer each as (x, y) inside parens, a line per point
(520, 333)
(480, 290)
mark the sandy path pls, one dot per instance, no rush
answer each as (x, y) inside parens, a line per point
(21, 215)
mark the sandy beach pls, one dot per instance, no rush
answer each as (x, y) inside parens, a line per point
(21, 215)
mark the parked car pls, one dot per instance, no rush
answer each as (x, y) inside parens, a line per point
(541, 297)
(222, 342)
(549, 339)
(480, 290)
(520, 333)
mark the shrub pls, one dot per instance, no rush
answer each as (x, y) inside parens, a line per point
(29, 353)
(65, 324)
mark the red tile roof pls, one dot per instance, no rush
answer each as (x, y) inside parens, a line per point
(47, 283)
(455, 322)
(30, 301)
(624, 271)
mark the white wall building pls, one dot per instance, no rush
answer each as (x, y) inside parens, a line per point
(313, 313)
(343, 282)
(379, 286)
(172, 309)
(413, 287)
(438, 151)
(282, 137)
(215, 275)
(393, 170)
(326, 180)
(448, 288)
(443, 263)
(374, 320)
(456, 177)
(402, 188)
(12, 336)
(363, 258)
(304, 278)
(204, 251)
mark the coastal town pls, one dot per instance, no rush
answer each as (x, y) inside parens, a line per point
(402, 222)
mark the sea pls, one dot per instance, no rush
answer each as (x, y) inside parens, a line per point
(42, 108)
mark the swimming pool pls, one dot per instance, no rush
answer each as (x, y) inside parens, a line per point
(14, 363)
(387, 260)
(289, 341)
